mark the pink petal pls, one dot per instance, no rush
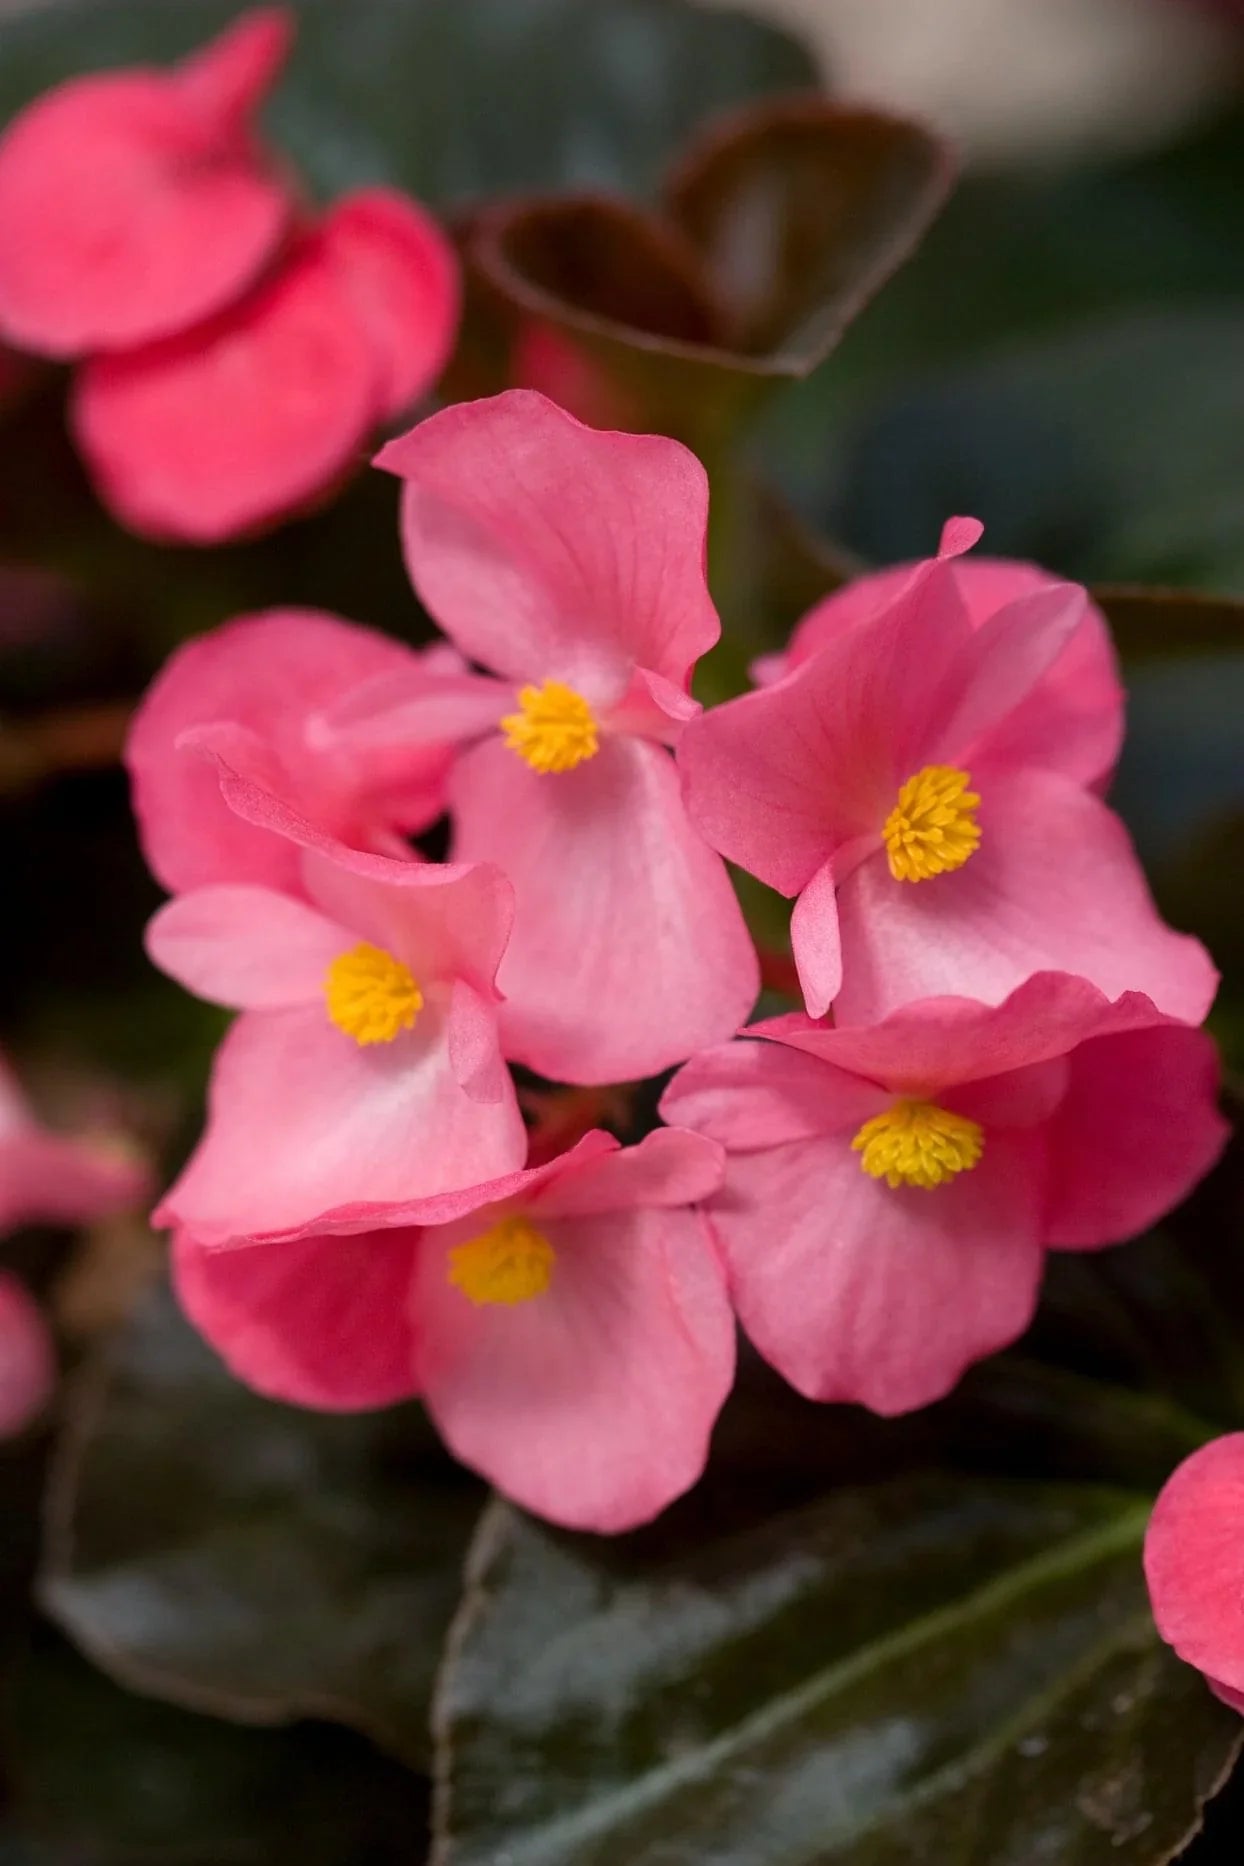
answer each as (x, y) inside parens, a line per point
(27, 1357)
(269, 673)
(1194, 1564)
(816, 942)
(238, 422)
(1072, 721)
(244, 947)
(748, 1096)
(669, 1167)
(135, 203)
(1006, 659)
(1138, 1127)
(415, 708)
(593, 1403)
(855, 1291)
(1054, 886)
(629, 950)
(781, 779)
(401, 272)
(320, 1322)
(547, 549)
(59, 1179)
(302, 1120)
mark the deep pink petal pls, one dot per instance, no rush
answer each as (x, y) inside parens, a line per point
(269, 673)
(591, 1404)
(135, 203)
(401, 272)
(323, 1321)
(244, 947)
(629, 951)
(27, 1357)
(303, 1120)
(1054, 886)
(781, 779)
(547, 549)
(753, 1095)
(1194, 1563)
(855, 1291)
(1138, 1127)
(234, 423)
(1073, 719)
(669, 1167)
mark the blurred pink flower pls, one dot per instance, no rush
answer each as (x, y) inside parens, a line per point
(572, 563)
(1194, 1564)
(918, 783)
(27, 1357)
(890, 1191)
(133, 203)
(366, 1064)
(59, 1179)
(567, 1326)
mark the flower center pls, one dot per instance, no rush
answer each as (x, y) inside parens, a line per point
(932, 828)
(510, 1263)
(554, 728)
(370, 995)
(916, 1143)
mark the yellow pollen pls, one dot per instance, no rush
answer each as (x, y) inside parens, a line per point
(932, 828)
(554, 729)
(370, 995)
(916, 1143)
(511, 1263)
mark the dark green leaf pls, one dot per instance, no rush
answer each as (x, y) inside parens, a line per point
(96, 1777)
(250, 1559)
(451, 102)
(935, 1668)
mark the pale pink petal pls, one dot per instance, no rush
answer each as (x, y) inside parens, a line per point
(235, 423)
(546, 549)
(268, 673)
(134, 203)
(413, 708)
(781, 779)
(593, 1403)
(669, 1167)
(27, 1357)
(1194, 1564)
(1138, 1127)
(629, 951)
(816, 943)
(321, 1321)
(403, 277)
(303, 1120)
(244, 947)
(475, 1045)
(856, 1291)
(752, 1095)
(1054, 886)
(1072, 721)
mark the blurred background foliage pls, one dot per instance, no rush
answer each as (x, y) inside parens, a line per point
(867, 1642)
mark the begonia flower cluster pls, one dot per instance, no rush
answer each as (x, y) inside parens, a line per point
(234, 349)
(997, 1055)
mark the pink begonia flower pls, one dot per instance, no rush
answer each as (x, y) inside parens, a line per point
(1071, 720)
(241, 421)
(572, 563)
(365, 1065)
(1194, 1564)
(133, 203)
(890, 1191)
(59, 1179)
(27, 1357)
(930, 851)
(567, 1326)
(253, 690)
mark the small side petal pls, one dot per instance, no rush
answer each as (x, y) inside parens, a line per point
(669, 1167)
(245, 948)
(750, 1095)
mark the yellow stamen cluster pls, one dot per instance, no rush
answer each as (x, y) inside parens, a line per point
(916, 1143)
(370, 995)
(554, 728)
(932, 828)
(511, 1263)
